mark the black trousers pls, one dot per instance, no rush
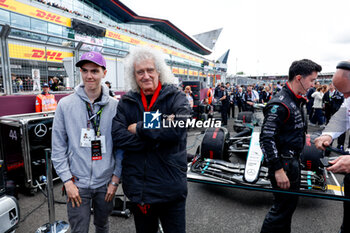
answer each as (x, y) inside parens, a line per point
(224, 110)
(232, 110)
(279, 217)
(341, 140)
(240, 107)
(171, 215)
(345, 228)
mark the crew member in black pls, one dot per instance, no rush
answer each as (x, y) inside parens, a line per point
(282, 139)
(249, 99)
(332, 100)
(240, 99)
(224, 98)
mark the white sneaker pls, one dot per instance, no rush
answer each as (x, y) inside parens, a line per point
(347, 150)
(311, 124)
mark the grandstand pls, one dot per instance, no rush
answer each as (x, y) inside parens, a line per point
(47, 38)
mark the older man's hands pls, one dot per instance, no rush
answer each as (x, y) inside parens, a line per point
(340, 164)
(323, 141)
(132, 128)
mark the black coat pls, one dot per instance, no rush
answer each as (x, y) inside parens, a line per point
(155, 160)
(284, 128)
(333, 103)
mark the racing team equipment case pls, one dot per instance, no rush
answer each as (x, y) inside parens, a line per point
(23, 138)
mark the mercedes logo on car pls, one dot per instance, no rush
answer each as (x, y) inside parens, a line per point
(40, 130)
(250, 172)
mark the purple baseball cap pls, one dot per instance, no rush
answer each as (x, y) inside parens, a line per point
(94, 57)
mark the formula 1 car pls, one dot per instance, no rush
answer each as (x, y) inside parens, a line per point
(237, 161)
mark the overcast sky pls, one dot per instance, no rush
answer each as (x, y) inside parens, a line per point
(264, 37)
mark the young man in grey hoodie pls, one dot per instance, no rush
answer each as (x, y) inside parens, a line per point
(82, 147)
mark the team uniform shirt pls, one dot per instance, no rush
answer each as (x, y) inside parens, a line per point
(340, 121)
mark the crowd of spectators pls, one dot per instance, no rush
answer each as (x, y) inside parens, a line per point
(241, 95)
(115, 26)
(63, 8)
(25, 84)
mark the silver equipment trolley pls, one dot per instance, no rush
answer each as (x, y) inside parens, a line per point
(23, 138)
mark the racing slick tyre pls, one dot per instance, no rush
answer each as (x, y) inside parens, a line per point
(242, 118)
(214, 144)
(246, 117)
(310, 156)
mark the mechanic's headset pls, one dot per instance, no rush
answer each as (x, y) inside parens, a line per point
(302, 83)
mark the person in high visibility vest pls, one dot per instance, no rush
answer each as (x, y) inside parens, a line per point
(45, 101)
(210, 96)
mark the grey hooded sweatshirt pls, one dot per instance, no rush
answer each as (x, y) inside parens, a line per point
(68, 157)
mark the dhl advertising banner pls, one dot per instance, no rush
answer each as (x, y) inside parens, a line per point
(31, 11)
(124, 38)
(128, 39)
(177, 70)
(39, 54)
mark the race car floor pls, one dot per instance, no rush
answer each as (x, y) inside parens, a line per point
(209, 208)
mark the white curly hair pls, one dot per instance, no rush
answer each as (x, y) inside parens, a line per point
(139, 54)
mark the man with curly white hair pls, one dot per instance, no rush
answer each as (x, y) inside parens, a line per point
(155, 161)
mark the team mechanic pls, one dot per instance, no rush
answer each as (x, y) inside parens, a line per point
(282, 139)
(337, 125)
(155, 163)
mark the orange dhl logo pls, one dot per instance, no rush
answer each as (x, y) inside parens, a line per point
(48, 16)
(51, 55)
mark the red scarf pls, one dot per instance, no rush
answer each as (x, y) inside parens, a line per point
(153, 100)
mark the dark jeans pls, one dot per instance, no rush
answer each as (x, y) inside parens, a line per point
(346, 224)
(171, 215)
(328, 113)
(79, 217)
(279, 217)
(318, 117)
(310, 109)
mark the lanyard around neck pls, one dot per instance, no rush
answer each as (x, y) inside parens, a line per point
(153, 100)
(94, 119)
